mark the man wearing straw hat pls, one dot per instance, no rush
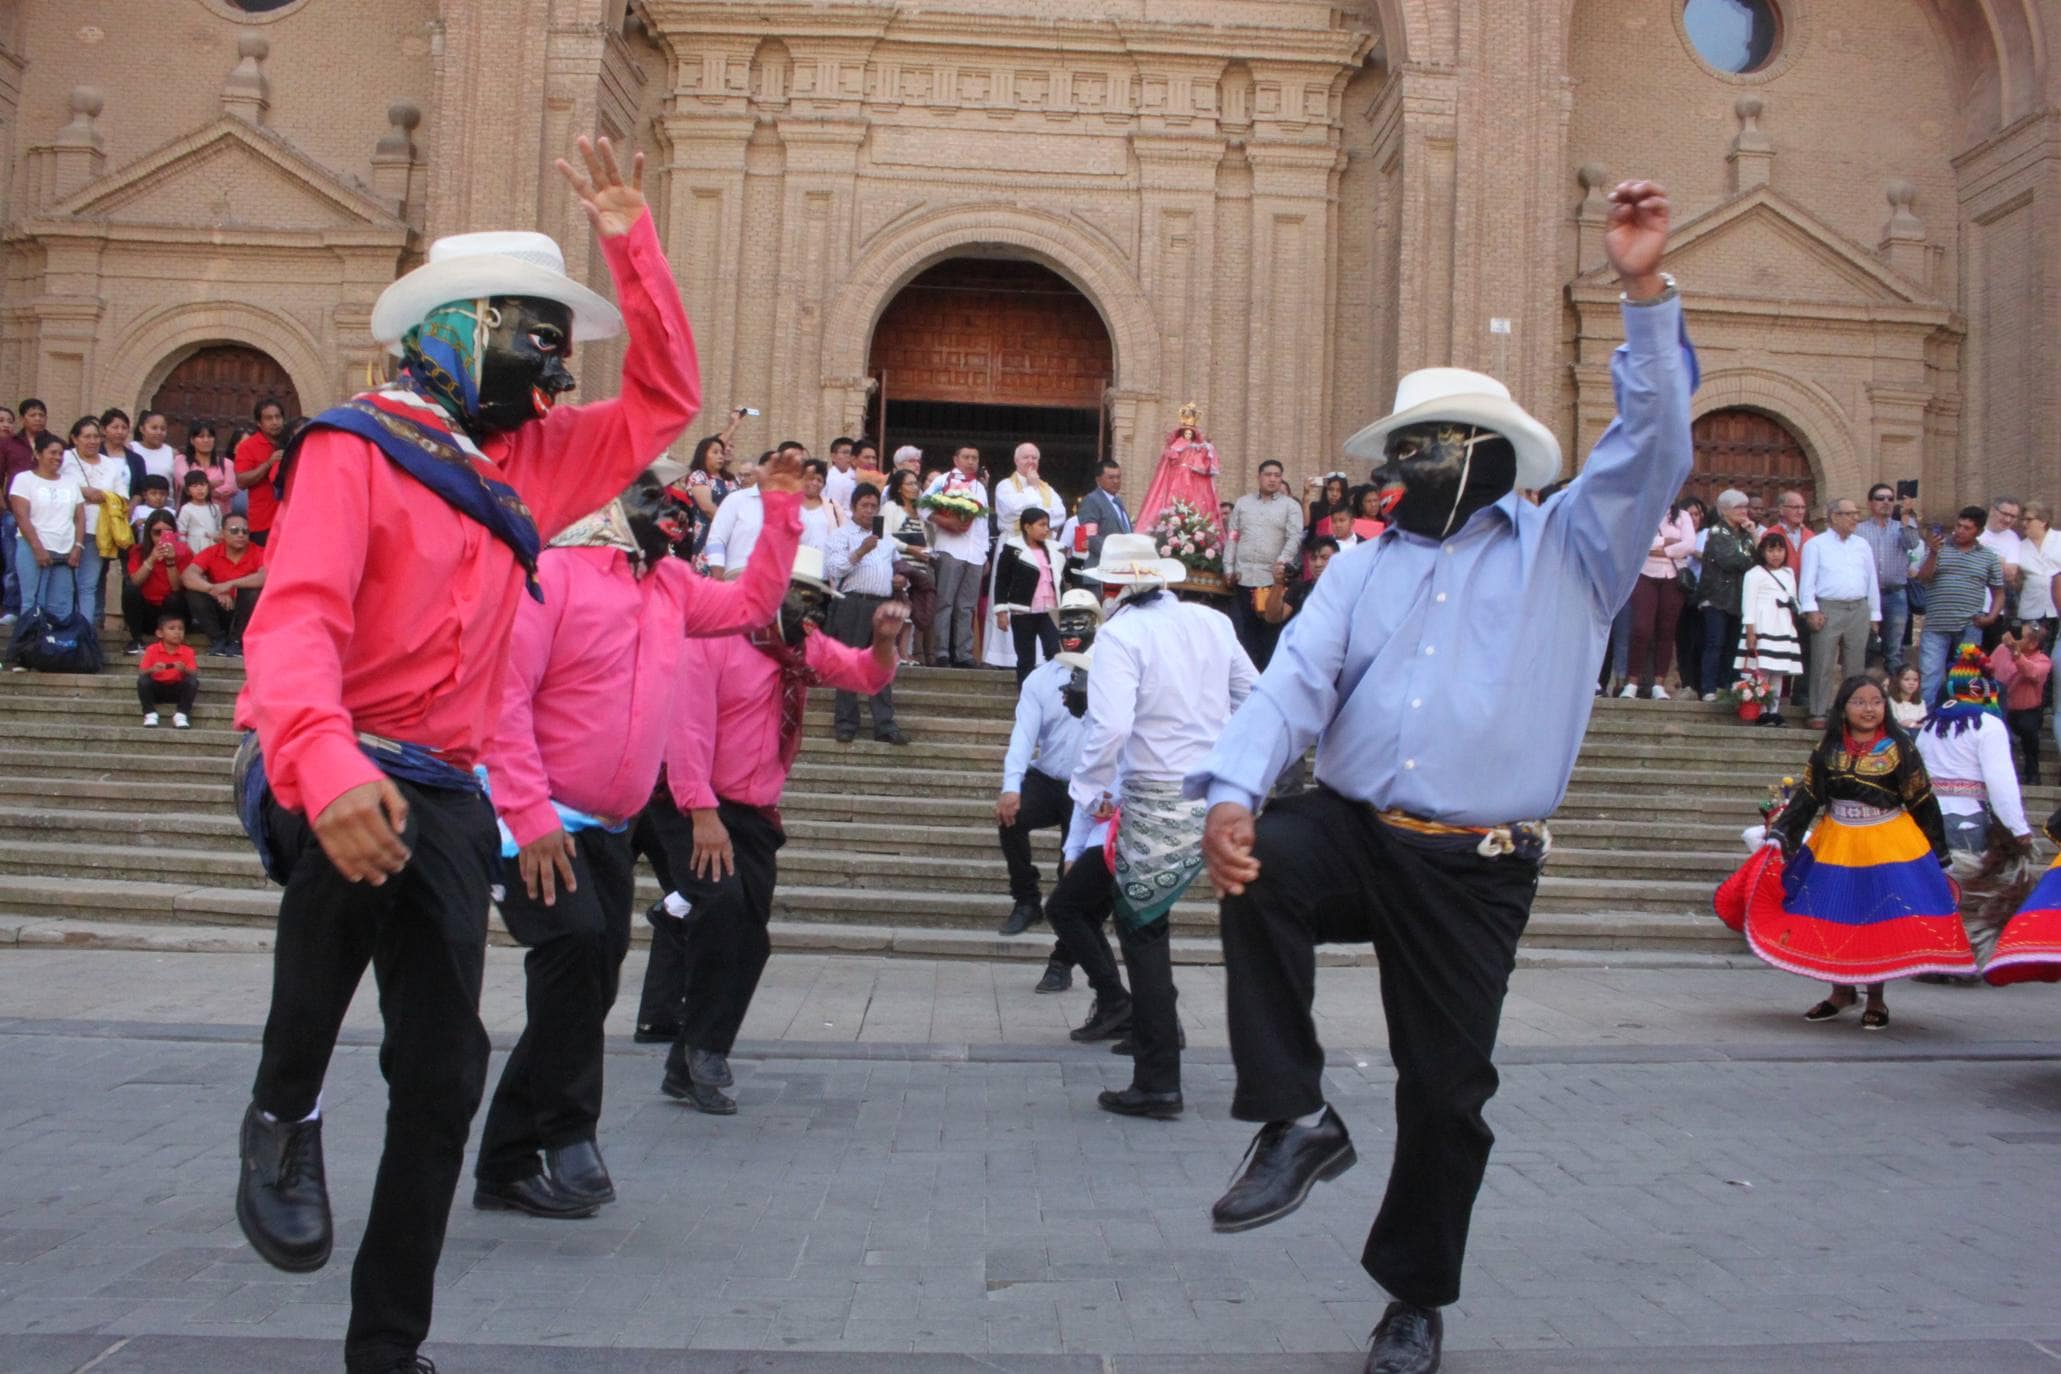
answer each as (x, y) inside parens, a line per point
(1167, 676)
(590, 694)
(412, 522)
(1445, 671)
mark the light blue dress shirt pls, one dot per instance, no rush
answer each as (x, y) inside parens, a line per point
(1454, 680)
(1046, 732)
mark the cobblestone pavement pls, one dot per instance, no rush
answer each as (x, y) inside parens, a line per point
(1765, 1196)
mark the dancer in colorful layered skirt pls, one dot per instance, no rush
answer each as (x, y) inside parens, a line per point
(1866, 898)
(2029, 950)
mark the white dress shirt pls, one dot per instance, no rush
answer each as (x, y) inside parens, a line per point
(1046, 736)
(1839, 569)
(1166, 679)
(1983, 755)
(818, 525)
(2039, 562)
(734, 530)
(2005, 543)
(971, 546)
(837, 487)
(873, 575)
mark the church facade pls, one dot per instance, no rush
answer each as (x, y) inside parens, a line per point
(1003, 219)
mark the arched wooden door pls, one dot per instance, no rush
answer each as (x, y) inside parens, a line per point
(220, 384)
(1752, 451)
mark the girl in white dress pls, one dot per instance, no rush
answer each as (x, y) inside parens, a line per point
(1768, 642)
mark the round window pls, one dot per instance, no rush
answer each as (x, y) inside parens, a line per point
(1736, 36)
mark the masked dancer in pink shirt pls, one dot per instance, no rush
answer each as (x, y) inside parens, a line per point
(718, 841)
(413, 518)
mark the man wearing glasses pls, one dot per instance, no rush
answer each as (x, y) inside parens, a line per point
(2000, 536)
(1893, 542)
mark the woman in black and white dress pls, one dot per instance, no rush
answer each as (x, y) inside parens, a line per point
(1768, 642)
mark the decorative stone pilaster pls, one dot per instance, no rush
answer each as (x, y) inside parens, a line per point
(394, 161)
(76, 155)
(1752, 159)
(247, 93)
(1903, 243)
(1592, 216)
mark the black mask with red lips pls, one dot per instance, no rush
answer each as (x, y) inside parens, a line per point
(657, 520)
(523, 370)
(1440, 473)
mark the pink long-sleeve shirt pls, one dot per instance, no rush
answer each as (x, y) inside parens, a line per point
(1678, 537)
(593, 668)
(745, 715)
(388, 612)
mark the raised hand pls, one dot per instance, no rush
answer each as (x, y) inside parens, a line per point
(613, 205)
(888, 619)
(781, 472)
(1636, 238)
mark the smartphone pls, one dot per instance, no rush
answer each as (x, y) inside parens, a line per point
(1907, 490)
(879, 525)
(1937, 529)
(752, 411)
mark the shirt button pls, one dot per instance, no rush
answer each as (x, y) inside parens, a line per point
(1416, 702)
(1440, 597)
(1409, 763)
(1429, 651)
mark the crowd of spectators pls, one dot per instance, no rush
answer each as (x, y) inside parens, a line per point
(178, 532)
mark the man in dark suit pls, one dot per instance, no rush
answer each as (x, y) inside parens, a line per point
(1104, 507)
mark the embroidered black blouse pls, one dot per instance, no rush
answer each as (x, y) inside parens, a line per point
(1890, 775)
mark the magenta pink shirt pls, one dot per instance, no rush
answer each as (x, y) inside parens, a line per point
(386, 611)
(739, 704)
(592, 673)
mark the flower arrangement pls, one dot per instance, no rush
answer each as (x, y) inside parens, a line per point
(1189, 535)
(1751, 690)
(953, 511)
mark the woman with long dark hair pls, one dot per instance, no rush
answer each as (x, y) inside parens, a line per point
(1864, 898)
(901, 520)
(707, 482)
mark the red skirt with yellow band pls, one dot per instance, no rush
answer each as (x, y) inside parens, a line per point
(1863, 901)
(2029, 950)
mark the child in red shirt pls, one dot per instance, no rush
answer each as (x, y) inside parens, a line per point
(168, 671)
(2021, 667)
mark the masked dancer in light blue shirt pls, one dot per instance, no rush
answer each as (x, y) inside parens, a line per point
(1445, 671)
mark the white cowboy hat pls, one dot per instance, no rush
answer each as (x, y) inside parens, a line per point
(667, 469)
(1079, 660)
(1081, 599)
(495, 262)
(1130, 558)
(1468, 398)
(808, 570)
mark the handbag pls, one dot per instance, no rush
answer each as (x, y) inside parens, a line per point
(48, 644)
(1685, 578)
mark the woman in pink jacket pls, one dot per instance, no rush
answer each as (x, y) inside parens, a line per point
(1657, 605)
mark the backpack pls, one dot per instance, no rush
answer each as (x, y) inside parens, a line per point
(48, 644)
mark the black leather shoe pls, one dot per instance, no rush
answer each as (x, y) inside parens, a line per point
(1407, 1341)
(1129, 1046)
(846, 736)
(656, 1033)
(1103, 1022)
(709, 1069)
(700, 1096)
(891, 735)
(282, 1195)
(1058, 978)
(1133, 1102)
(1287, 1161)
(579, 1172)
(413, 1364)
(1022, 917)
(536, 1195)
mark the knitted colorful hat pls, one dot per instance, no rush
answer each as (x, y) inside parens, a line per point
(1968, 682)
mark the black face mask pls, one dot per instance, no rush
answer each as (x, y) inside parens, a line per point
(1077, 631)
(1438, 474)
(657, 520)
(804, 606)
(523, 369)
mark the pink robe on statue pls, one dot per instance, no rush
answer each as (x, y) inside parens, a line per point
(1187, 472)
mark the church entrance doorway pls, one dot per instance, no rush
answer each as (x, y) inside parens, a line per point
(994, 352)
(220, 384)
(1754, 452)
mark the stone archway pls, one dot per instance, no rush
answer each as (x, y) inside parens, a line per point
(159, 342)
(1752, 451)
(1804, 410)
(1077, 252)
(221, 384)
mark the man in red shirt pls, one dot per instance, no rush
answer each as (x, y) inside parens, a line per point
(222, 585)
(716, 845)
(257, 461)
(167, 672)
(409, 534)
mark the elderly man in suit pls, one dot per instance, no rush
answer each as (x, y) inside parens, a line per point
(1102, 510)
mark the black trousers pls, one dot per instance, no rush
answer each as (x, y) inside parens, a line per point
(660, 832)
(1032, 630)
(1258, 637)
(1080, 904)
(221, 627)
(150, 693)
(723, 944)
(424, 933)
(1445, 927)
(2025, 733)
(550, 1090)
(139, 615)
(851, 622)
(1043, 802)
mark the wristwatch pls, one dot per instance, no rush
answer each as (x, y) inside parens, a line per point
(1667, 295)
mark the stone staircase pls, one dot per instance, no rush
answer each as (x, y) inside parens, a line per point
(116, 834)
